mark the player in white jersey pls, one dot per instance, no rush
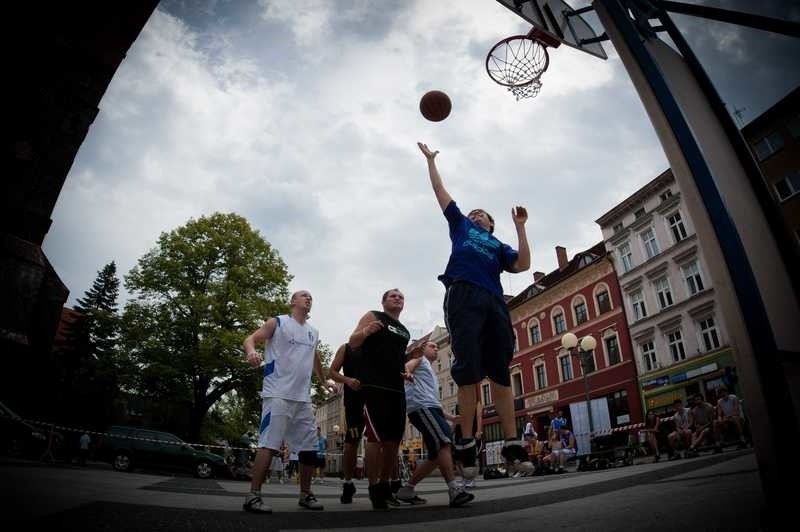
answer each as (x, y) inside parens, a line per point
(289, 357)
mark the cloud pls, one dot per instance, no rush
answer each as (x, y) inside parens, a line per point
(305, 121)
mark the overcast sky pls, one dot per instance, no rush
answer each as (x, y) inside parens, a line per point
(303, 117)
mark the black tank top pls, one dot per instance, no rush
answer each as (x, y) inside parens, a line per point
(351, 367)
(383, 355)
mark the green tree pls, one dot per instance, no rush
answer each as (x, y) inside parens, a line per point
(196, 295)
(88, 362)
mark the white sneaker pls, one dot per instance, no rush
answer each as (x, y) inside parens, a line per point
(459, 497)
(516, 475)
(469, 484)
(255, 504)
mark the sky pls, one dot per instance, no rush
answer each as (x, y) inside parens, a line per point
(303, 117)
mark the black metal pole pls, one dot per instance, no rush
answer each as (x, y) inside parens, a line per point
(773, 25)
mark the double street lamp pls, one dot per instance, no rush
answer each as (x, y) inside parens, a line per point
(584, 353)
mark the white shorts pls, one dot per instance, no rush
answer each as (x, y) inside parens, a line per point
(566, 452)
(277, 464)
(289, 421)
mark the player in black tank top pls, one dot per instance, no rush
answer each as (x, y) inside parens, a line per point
(383, 341)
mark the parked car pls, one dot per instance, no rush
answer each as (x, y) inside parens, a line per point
(129, 447)
(20, 438)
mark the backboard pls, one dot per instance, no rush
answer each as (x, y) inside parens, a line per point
(559, 20)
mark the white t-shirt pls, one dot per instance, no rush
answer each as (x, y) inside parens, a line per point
(424, 391)
(289, 360)
(529, 431)
(729, 405)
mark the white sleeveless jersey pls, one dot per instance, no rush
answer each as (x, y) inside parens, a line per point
(289, 360)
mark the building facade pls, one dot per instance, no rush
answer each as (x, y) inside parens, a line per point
(329, 416)
(774, 138)
(678, 334)
(582, 297)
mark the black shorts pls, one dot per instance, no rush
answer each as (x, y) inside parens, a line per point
(481, 334)
(353, 416)
(384, 415)
(320, 463)
(431, 423)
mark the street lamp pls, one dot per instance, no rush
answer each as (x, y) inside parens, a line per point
(587, 344)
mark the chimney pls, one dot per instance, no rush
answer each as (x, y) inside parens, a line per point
(561, 254)
(537, 276)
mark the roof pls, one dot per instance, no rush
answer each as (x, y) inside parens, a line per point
(578, 262)
(637, 197)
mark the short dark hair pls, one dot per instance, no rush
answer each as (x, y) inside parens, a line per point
(676, 401)
(389, 291)
(491, 220)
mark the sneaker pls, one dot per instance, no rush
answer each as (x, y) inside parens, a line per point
(348, 490)
(561, 470)
(408, 495)
(459, 497)
(310, 502)
(255, 504)
(517, 458)
(396, 485)
(466, 449)
(516, 475)
(377, 497)
(658, 457)
(469, 484)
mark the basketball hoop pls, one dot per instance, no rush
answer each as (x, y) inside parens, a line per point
(518, 62)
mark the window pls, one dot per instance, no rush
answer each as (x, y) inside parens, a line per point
(439, 365)
(580, 313)
(587, 363)
(612, 348)
(617, 227)
(675, 343)
(626, 256)
(559, 323)
(536, 334)
(516, 384)
(639, 213)
(451, 387)
(441, 393)
(676, 226)
(663, 292)
(639, 310)
(516, 342)
(566, 368)
(666, 194)
(694, 281)
(487, 396)
(492, 432)
(649, 362)
(618, 409)
(650, 244)
(768, 145)
(708, 331)
(541, 377)
(603, 301)
(788, 186)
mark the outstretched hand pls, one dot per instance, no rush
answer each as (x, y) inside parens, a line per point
(519, 215)
(427, 151)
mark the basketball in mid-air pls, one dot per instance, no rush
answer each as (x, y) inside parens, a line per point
(435, 106)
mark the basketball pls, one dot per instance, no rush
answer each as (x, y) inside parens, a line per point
(435, 106)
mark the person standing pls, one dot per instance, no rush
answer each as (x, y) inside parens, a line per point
(322, 451)
(347, 360)
(425, 413)
(476, 314)
(383, 340)
(85, 441)
(290, 356)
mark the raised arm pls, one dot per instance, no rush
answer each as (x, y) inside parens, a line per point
(523, 262)
(263, 334)
(442, 196)
(366, 325)
(412, 365)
